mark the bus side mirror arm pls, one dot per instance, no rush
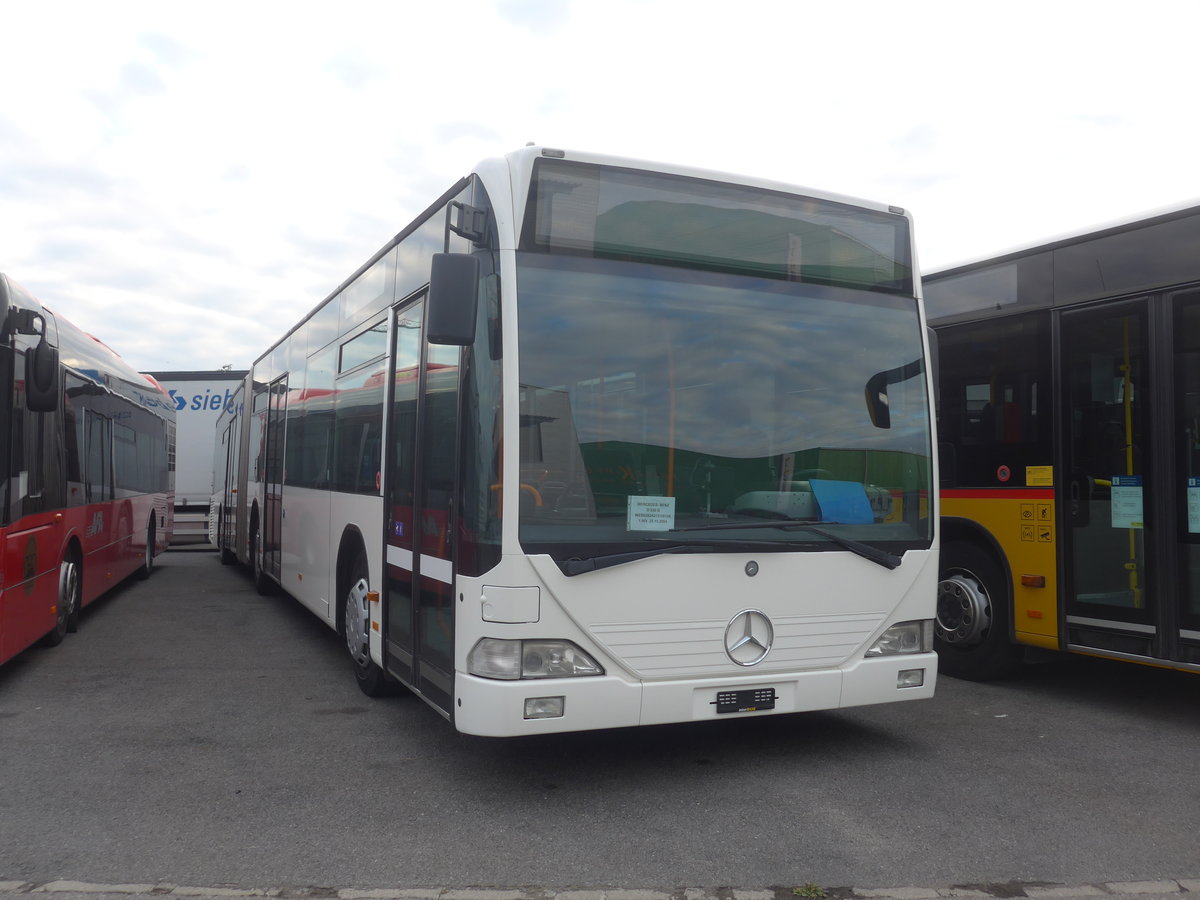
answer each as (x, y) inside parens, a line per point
(472, 222)
(26, 321)
(453, 299)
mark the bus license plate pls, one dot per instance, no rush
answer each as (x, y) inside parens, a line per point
(751, 700)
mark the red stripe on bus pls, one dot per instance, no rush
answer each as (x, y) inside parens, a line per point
(996, 493)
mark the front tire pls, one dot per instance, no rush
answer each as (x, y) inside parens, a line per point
(66, 615)
(261, 583)
(356, 629)
(228, 557)
(971, 633)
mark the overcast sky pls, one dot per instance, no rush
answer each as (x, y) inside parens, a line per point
(185, 181)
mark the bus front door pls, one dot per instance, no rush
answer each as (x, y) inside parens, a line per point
(1130, 486)
(401, 449)
(419, 607)
(227, 511)
(436, 486)
(1185, 328)
(273, 499)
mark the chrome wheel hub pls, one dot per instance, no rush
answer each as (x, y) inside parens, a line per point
(357, 624)
(964, 610)
(68, 590)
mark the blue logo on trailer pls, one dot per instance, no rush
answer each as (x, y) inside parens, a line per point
(207, 402)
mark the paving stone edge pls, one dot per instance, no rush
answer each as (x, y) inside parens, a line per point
(1145, 890)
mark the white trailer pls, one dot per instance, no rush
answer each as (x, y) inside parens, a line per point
(199, 398)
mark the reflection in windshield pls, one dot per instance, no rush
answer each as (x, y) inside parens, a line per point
(655, 399)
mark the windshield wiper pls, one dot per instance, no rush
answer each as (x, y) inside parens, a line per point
(577, 565)
(866, 551)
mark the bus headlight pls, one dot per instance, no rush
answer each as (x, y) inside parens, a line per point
(904, 637)
(512, 659)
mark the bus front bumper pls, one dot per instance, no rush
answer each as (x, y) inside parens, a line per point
(494, 708)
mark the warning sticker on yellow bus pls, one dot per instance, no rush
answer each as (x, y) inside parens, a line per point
(1039, 476)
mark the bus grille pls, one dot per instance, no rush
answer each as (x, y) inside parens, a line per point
(684, 649)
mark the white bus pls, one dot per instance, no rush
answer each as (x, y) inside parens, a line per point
(598, 443)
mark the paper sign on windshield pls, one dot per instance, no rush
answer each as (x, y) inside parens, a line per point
(650, 514)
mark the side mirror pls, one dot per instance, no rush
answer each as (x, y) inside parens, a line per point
(41, 377)
(5, 305)
(453, 299)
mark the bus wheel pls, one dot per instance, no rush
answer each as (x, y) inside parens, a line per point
(228, 558)
(356, 629)
(971, 630)
(261, 584)
(66, 616)
(148, 560)
(71, 585)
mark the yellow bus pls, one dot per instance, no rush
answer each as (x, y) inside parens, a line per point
(1069, 443)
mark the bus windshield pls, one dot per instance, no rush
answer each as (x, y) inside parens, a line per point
(662, 405)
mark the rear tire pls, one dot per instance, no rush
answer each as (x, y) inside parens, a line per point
(228, 558)
(971, 633)
(148, 557)
(356, 629)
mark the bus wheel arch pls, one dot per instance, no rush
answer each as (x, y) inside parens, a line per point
(353, 581)
(973, 628)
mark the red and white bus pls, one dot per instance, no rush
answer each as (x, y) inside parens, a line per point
(88, 466)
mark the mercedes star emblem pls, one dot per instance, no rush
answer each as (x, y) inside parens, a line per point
(748, 637)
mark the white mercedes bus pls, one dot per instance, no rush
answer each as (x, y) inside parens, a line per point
(596, 442)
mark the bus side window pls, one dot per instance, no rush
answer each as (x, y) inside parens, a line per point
(98, 458)
(994, 378)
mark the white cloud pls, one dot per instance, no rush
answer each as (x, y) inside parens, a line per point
(188, 182)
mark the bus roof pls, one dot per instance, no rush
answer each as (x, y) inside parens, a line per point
(523, 159)
(89, 357)
(517, 167)
(1141, 220)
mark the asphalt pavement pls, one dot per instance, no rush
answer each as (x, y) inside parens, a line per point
(197, 740)
(1125, 890)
